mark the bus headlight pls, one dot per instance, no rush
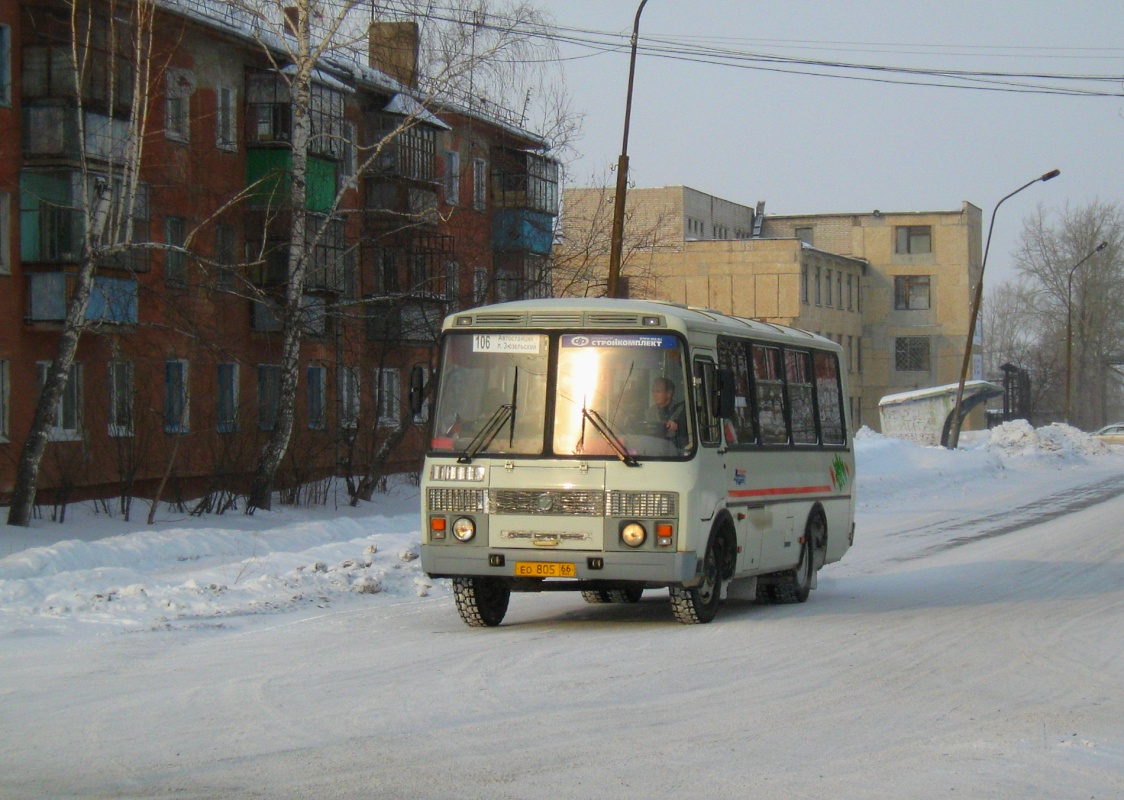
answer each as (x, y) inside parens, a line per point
(464, 529)
(633, 534)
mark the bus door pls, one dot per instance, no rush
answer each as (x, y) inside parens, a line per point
(713, 398)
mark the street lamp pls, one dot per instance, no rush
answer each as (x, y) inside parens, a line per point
(1069, 324)
(616, 242)
(954, 430)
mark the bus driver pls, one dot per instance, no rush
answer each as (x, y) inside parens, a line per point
(668, 413)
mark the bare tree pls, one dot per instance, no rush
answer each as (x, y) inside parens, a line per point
(1069, 284)
(109, 156)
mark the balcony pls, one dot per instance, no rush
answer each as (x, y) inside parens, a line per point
(522, 230)
(112, 300)
(52, 132)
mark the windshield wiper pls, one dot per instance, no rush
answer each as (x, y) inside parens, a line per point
(484, 438)
(607, 432)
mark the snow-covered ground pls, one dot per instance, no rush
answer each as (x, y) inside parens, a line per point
(969, 645)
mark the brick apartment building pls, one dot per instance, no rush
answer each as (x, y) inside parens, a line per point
(892, 288)
(179, 370)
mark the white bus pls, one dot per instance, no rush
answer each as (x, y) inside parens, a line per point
(613, 446)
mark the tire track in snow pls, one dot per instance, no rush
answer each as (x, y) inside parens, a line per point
(1009, 520)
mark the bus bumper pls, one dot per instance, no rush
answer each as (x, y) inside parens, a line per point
(444, 561)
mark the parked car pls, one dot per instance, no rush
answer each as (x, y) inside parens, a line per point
(1111, 434)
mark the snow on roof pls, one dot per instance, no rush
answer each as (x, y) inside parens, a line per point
(970, 388)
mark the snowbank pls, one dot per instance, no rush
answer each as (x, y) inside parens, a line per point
(101, 571)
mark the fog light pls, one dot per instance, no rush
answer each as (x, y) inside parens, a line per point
(633, 534)
(437, 527)
(464, 529)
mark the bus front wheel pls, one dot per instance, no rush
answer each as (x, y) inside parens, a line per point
(481, 602)
(694, 605)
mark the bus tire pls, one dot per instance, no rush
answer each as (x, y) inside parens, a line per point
(481, 602)
(596, 596)
(697, 605)
(794, 585)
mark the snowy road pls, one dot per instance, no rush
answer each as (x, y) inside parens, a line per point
(981, 657)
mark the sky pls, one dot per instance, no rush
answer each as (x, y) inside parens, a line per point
(813, 144)
(958, 649)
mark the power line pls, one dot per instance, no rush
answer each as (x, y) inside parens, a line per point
(731, 53)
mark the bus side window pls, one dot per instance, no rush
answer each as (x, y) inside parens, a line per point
(830, 399)
(741, 427)
(706, 385)
(768, 383)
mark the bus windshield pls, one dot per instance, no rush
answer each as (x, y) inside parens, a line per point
(617, 395)
(633, 383)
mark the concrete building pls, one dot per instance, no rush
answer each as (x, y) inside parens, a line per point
(892, 288)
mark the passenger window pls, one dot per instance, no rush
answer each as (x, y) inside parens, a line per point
(768, 381)
(732, 358)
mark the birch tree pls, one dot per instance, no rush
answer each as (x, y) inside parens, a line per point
(107, 190)
(300, 35)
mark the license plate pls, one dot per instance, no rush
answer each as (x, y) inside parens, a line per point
(544, 569)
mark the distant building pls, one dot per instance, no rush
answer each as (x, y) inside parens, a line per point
(892, 288)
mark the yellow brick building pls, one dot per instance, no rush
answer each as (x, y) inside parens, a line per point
(892, 288)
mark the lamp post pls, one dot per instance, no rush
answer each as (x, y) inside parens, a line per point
(954, 430)
(1069, 325)
(616, 242)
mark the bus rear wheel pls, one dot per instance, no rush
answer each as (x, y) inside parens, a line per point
(795, 585)
(481, 602)
(697, 605)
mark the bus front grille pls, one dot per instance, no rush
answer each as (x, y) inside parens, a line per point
(557, 502)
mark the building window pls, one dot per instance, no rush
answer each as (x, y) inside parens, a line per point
(175, 263)
(480, 184)
(226, 412)
(913, 239)
(176, 397)
(5, 393)
(269, 395)
(839, 289)
(911, 354)
(827, 299)
(5, 65)
(819, 282)
(804, 284)
(226, 116)
(452, 177)
(850, 293)
(68, 411)
(349, 397)
(120, 398)
(859, 354)
(316, 381)
(179, 86)
(5, 233)
(804, 235)
(911, 292)
(387, 396)
(225, 250)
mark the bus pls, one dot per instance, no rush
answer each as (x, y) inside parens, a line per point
(610, 447)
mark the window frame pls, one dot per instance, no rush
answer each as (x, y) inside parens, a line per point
(269, 396)
(226, 397)
(901, 342)
(226, 117)
(908, 239)
(183, 412)
(72, 396)
(905, 287)
(480, 184)
(175, 261)
(349, 405)
(316, 396)
(388, 396)
(121, 409)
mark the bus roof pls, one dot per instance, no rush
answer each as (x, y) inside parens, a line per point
(606, 313)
